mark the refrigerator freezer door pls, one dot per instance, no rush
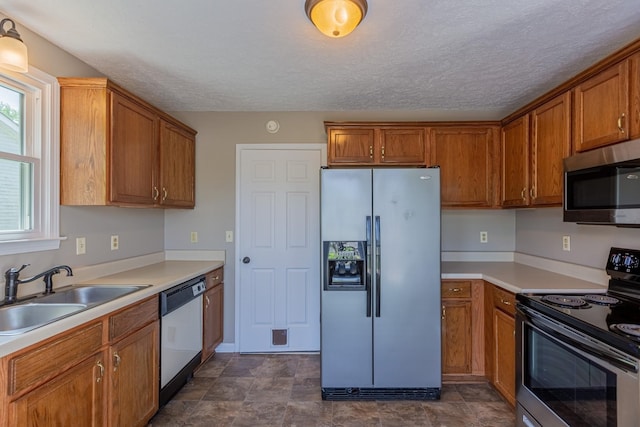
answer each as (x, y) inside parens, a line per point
(346, 335)
(407, 331)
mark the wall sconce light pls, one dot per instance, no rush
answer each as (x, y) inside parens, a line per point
(336, 18)
(13, 52)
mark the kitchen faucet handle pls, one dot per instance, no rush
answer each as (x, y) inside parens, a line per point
(18, 270)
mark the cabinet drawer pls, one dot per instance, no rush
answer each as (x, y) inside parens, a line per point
(504, 300)
(215, 277)
(133, 318)
(455, 289)
(39, 364)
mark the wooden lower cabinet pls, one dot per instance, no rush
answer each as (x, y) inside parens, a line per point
(74, 398)
(213, 313)
(134, 377)
(503, 342)
(105, 372)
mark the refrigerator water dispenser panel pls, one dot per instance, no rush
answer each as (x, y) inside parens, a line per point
(345, 267)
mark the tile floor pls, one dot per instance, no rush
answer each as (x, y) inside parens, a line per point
(284, 390)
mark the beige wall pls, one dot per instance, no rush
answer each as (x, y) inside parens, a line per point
(141, 231)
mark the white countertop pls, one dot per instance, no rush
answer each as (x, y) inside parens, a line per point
(157, 277)
(519, 278)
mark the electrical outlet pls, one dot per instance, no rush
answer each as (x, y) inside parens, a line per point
(194, 237)
(566, 243)
(115, 243)
(228, 236)
(81, 246)
(484, 237)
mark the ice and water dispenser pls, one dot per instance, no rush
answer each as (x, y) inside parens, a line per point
(345, 266)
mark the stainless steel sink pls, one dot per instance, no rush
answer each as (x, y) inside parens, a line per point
(90, 295)
(18, 319)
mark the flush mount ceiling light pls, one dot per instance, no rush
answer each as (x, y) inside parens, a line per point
(336, 18)
(13, 52)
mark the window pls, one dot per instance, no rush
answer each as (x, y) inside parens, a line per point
(29, 162)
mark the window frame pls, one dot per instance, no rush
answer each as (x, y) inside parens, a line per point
(45, 134)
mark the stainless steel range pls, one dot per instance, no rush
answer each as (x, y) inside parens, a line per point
(578, 355)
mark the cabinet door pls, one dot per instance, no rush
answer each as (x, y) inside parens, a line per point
(134, 373)
(634, 96)
(134, 152)
(601, 111)
(515, 162)
(350, 146)
(213, 320)
(74, 398)
(550, 143)
(177, 166)
(466, 157)
(456, 337)
(403, 147)
(504, 352)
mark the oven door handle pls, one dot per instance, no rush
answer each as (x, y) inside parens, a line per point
(579, 340)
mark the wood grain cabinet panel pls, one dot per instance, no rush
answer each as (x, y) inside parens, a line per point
(634, 96)
(550, 144)
(515, 163)
(134, 373)
(74, 398)
(601, 109)
(347, 146)
(502, 342)
(116, 149)
(402, 147)
(213, 313)
(468, 164)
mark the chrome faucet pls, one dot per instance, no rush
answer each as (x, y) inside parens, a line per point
(12, 280)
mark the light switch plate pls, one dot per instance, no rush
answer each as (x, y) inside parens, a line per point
(81, 246)
(228, 237)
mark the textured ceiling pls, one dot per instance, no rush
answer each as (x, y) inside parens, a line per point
(258, 55)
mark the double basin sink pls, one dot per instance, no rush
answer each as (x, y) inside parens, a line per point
(19, 318)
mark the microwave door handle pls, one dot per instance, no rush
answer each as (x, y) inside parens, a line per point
(367, 283)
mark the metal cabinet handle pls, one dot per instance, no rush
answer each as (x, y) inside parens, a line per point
(523, 193)
(505, 302)
(620, 123)
(455, 289)
(101, 375)
(156, 193)
(208, 302)
(444, 312)
(116, 362)
(216, 278)
(164, 194)
(371, 151)
(532, 192)
(383, 152)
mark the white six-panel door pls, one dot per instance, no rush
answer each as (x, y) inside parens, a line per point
(278, 249)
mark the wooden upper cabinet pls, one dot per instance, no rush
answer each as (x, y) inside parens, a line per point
(515, 163)
(116, 149)
(550, 144)
(634, 92)
(177, 166)
(402, 147)
(467, 159)
(134, 152)
(374, 144)
(601, 111)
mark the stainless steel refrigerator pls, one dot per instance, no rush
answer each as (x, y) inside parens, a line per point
(380, 312)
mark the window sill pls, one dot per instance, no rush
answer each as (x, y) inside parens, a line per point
(11, 247)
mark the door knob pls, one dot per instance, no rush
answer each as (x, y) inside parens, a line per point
(246, 260)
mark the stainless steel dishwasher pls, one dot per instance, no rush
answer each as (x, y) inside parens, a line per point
(181, 335)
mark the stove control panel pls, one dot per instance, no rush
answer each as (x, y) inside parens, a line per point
(624, 261)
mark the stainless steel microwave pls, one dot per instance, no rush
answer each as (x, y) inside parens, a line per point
(602, 186)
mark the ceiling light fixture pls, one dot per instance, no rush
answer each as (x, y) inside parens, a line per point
(13, 52)
(336, 18)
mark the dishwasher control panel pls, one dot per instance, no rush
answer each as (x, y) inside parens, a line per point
(198, 288)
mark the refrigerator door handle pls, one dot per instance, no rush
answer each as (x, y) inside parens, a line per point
(378, 284)
(368, 267)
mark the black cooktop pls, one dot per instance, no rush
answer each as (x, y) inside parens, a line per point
(616, 324)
